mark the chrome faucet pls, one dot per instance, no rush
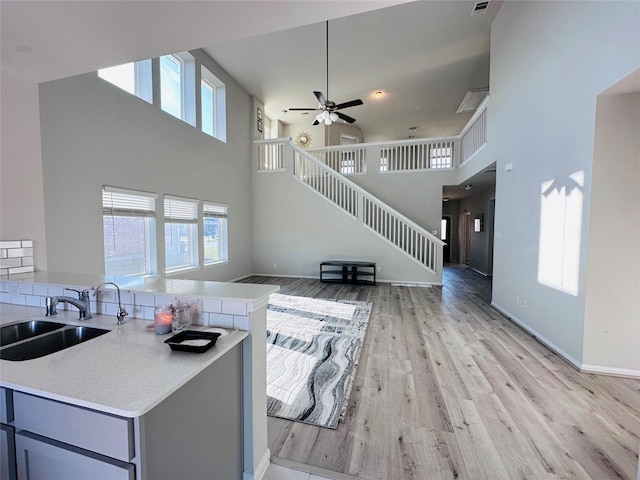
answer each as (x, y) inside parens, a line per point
(121, 310)
(82, 303)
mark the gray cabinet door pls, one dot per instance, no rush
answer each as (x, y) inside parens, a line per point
(7, 453)
(40, 458)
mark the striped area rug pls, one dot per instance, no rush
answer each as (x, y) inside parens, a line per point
(313, 346)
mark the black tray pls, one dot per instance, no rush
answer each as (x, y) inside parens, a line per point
(180, 341)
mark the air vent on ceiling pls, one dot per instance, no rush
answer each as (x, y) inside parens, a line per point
(479, 8)
(472, 99)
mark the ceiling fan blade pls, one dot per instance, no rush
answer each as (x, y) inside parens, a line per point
(315, 122)
(352, 103)
(320, 97)
(302, 109)
(344, 117)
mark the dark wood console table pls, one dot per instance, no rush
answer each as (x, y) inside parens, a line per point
(339, 271)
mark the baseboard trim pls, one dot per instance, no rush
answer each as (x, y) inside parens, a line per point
(616, 372)
(547, 343)
(261, 469)
(424, 284)
(322, 472)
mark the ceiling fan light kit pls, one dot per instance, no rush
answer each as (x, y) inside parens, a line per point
(329, 110)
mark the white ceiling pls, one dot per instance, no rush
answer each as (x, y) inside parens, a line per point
(424, 55)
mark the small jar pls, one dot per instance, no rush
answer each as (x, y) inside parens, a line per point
(163, 318)
(181, 318)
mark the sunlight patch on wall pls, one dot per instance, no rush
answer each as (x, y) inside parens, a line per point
(561, 202)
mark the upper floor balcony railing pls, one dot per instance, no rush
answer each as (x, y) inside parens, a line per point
(413, 155)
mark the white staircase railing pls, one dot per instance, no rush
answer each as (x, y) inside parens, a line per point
(474, 135)
(419, 244)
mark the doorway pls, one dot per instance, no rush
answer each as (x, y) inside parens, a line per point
(445, 236)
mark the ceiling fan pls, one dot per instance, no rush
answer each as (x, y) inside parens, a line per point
(328, 109)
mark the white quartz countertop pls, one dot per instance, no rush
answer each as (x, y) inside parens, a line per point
(157, 284)
(125, 372)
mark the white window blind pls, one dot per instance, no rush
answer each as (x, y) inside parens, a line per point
(213, 210)
(129, 203)
(180, 210)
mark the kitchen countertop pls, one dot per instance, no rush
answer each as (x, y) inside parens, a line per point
(246, 292)
(125, 372)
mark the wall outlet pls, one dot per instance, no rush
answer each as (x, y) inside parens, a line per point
(275, 264)
(524, 303)
(379, 269)
(517, 299)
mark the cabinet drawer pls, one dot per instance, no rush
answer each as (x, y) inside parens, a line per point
(99, 432)
(42, 459)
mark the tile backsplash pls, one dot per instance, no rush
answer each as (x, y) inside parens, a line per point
(16, 256)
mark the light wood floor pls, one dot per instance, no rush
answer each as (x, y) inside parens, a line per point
(447, 387)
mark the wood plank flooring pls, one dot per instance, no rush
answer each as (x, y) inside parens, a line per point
(448, 388)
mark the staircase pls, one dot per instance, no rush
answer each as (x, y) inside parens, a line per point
(397, 230)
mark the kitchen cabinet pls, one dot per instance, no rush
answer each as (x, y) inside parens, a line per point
(7, 453)
(40, 458)
(193, 433)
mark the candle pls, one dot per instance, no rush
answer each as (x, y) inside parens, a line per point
(162, 319)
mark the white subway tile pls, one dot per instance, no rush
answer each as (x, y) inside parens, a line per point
(148, 313)
(18, 299)
(220, 320)
(211, 305)
(5, 297)
(234, 307)
(145, 299)
(34, 301)
(10, 262)
(26, 289)
(15, 270)
(55, 291)
(39, 289)
(19, 252)
(27, 243)
(10, 244)
(241, 322)
(164, 299)
(27, 261)
(4, 271)
(3, 253)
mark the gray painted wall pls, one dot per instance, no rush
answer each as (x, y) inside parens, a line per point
(94, 133)
(549, 61)
(480, 255)
(612, 321)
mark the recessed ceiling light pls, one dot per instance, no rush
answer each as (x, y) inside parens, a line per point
(378, 94)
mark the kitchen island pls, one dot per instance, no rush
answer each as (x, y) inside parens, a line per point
(125, 402)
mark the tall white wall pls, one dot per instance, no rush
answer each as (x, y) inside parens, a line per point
(21, 198)
(612, 318)
(295, 229)
(549, 61)
(95, 134)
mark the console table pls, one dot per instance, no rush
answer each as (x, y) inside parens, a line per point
(339, 271)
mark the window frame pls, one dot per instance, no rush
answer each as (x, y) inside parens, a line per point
(185, 213)
(221, 211)
(132, 204)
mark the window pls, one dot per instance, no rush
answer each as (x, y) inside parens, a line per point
(215, 232)
(134, 78)
(129, 232)
(212, 105)
(177, 86)
(180, 233)
(440, 158)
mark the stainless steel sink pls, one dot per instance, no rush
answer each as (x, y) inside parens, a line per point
(21, 331)
(48, 343)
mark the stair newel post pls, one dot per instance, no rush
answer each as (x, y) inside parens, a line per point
(288, 158)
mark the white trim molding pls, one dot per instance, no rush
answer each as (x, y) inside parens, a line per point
(539, 337)
(261, 469)
(616, 372)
